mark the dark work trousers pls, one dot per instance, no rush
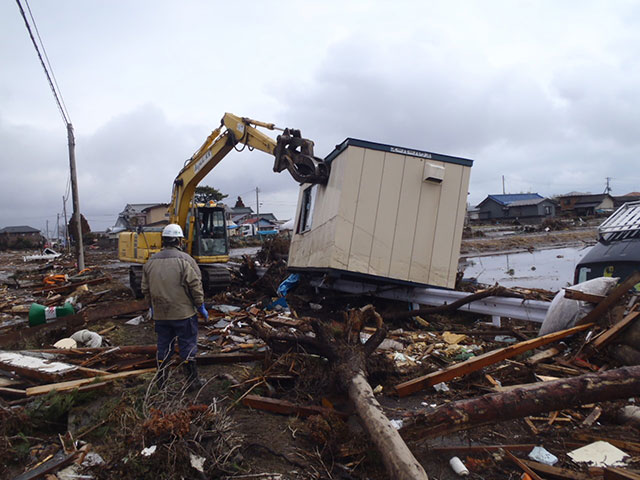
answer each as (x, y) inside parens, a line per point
(186, 331)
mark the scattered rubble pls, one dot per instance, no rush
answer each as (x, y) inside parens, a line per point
(309, 383)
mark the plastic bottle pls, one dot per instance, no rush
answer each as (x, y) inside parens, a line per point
(458, 467)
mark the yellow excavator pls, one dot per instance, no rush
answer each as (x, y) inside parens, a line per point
(204, 225)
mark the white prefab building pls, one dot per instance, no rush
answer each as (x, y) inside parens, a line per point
(387, 212)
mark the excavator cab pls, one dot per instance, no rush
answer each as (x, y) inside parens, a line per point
(209, 233)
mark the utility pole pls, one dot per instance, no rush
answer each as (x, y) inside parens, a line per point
(74, 196)
(48, 232)
(607, 189)
(58, 229)
(66, 225)
(503, 184)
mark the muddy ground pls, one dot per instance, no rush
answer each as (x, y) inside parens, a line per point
(266, 445)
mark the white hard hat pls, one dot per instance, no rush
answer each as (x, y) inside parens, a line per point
(172, 231)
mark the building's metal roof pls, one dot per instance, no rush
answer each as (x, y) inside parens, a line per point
(508, 199)
(394, 149)
(19, 229)
(525, 203)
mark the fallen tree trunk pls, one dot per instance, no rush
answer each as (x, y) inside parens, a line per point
(522, 402)
(348, 360)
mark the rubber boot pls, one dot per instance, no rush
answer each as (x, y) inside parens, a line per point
(162, 374)
(191, 371)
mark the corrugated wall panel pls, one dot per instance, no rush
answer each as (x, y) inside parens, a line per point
(445, 227)
(347, 209)
(405, 226)
(366, 211)
(457, 236)
(427, 215)
(387, 212)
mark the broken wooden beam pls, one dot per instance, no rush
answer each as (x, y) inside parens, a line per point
(476, 363)
(522, 465)
(556, 472)
(71, 286)
(582, 296)
(275, 405)
(519, 447)
(543, 355)
(102, 311)
(600, 309)
(614, 473)
(608, 335)
(70, 385)
(522, 402)
(231, 357)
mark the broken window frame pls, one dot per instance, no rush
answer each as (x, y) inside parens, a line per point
(305, 219)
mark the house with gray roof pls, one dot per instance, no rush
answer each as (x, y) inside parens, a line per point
(21, 236)
(530, 208)
(585, 204)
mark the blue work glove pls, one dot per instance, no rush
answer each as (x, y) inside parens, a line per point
(202, 310)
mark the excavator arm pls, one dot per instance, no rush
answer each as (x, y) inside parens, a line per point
(291, 152)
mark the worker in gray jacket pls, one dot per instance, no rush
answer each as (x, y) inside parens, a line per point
(172, 282)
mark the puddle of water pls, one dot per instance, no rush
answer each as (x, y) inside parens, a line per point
(547, 269)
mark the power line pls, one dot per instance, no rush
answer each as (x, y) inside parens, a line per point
(56, 95)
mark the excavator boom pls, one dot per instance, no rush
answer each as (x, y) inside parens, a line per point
(204, 226)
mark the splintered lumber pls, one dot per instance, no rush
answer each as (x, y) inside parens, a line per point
(231, 357)
(543, 355)
(113, 310)
(526, 401)
(600, 309)
(287, 408)
(603, 339)
(555, 472)
(62, 386)
(519, 447)
(522, 465)
(614, 473)
(582, 296)
(481, 361)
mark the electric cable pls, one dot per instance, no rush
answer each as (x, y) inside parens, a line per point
(44, 51)
(63, 113)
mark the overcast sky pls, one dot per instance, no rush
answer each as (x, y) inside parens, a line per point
(545, 93)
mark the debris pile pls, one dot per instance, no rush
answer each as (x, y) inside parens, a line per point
(361, 387)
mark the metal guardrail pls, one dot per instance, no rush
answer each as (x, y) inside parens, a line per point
(530, 310)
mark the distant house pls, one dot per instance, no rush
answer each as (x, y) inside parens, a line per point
(156, 215)
(524, 207)
(21, 237)
(585, 204)
(257, 225)
(238, 214)
(140, 214)
(622, 199)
